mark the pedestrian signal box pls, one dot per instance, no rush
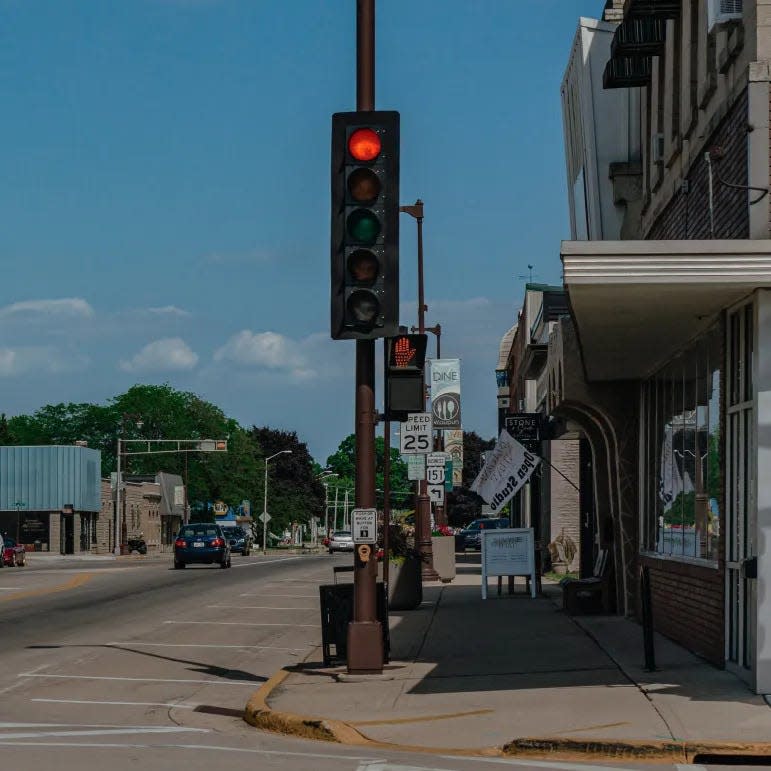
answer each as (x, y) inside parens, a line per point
(405, 376)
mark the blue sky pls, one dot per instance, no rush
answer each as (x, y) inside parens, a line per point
(164, 183)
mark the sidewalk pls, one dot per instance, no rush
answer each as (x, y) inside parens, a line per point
(516, 673)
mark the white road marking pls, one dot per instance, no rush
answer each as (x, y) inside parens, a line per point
(296, 596)
(104, 732)
(393, 767)
(138, 679)
(9, 588)
(204, 645)
(194, 747)
(236, 623)
(266, 562)
(179, 705)
(259, 607)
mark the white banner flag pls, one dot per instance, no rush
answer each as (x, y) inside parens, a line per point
(507, 468)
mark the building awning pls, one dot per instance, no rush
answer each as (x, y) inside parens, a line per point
(637, 303)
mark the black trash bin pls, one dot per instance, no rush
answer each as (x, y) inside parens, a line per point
(337, 612)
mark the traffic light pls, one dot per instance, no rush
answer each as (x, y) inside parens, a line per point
(365, 225)
(405, 381)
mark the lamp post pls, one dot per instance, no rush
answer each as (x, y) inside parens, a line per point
(423, 502)
(326, 475)
(265, 500)
(138, 422)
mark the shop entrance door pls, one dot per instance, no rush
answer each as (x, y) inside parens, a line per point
(68, 534)
(740, 535)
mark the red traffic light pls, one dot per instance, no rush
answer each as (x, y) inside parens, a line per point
(404, 353)
(364, 144)
(407, 352)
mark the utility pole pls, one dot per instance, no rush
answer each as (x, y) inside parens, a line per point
(365, 636)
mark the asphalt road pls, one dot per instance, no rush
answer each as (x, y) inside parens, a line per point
(121, 664)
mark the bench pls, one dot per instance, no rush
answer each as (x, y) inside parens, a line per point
(582, 595)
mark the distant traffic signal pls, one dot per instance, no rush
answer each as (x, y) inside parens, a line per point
(365, 225)
(405, 380)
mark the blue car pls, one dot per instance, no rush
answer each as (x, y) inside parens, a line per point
(201, 543)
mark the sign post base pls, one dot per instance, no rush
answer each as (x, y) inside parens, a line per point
(365, 648)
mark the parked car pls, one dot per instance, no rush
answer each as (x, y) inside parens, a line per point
(341, 540)
(13, 554)
(471, 536)
(201, 543)
(240, 540)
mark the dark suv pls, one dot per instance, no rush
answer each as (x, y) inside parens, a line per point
(471, 535)
(240, 540)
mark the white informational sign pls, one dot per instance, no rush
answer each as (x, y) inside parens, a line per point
(179, 495)
(435, 475)
(416, 467)
(415, 437)
(436, 493)
(508, 467)
(508, 552)
(364, 525)
(437, 458)
(264, 517)
(445, 393)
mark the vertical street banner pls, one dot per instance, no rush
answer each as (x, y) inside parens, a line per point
(453, 445)
(507, 469)
(445, 393)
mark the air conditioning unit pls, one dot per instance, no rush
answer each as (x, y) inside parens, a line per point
(721, 11)
(657, 148)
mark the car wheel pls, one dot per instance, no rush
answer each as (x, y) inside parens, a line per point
(178, 565)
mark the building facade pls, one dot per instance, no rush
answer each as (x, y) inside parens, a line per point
(663, 362)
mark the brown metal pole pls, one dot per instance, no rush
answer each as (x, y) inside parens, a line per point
(365, 638)
(423, 502)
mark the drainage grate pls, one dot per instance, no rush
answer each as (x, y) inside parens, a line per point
(717, 759)
(210, 709)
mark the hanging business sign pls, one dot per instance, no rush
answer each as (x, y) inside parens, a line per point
(453, 444)
(506, 471)
(445, 393)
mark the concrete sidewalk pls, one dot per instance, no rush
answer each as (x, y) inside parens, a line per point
(514, 672)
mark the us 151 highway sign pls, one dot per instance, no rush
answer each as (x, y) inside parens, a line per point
(435, 475)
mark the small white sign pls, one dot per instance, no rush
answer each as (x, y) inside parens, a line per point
(436, 493)
(508, 552)
(416, 467)
(264, 517)
(415, 435)
(364, 525)
(435, 475)
(437, 458)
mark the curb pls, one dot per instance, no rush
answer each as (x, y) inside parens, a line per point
(258, 713)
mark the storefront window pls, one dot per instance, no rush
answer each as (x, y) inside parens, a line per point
(681, 462)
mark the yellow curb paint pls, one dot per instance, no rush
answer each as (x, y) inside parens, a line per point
(423, 719)
(74, 583)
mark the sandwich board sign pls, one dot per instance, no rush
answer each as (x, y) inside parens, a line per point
(508, 552)
(364, 525)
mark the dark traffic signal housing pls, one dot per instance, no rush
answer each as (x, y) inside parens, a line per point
(365, 225)
(405, 390)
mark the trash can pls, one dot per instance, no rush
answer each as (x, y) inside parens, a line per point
(336, 602)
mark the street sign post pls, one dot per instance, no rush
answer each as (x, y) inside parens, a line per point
(364, 525)
(415, 436)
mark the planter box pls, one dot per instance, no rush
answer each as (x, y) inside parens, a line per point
(405, 586)
(443, 548)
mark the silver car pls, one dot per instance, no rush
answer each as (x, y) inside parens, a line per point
(341, 540)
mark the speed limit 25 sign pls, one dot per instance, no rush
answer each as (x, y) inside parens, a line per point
(415, 436)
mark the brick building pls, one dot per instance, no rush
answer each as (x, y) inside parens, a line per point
(662, 363)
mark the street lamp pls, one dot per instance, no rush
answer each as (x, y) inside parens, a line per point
(138, 422)
(325, 476)
(265, 500)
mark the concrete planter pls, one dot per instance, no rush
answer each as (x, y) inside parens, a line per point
(405, 586)
(443, 547)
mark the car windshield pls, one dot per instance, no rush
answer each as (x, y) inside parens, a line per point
(342, 534)
(193, 530)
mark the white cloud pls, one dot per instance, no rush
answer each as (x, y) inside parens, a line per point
(38, 359)
(170, 310)
(67, 306)
(168, 353)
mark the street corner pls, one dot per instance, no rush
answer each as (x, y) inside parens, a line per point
(258, 713)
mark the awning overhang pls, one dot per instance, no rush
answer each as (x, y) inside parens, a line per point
(637, 303)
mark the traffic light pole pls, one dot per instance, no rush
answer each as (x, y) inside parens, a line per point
(422, 500)
(365, 637)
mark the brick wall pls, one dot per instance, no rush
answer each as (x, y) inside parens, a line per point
(688, 606)
(687, 215)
